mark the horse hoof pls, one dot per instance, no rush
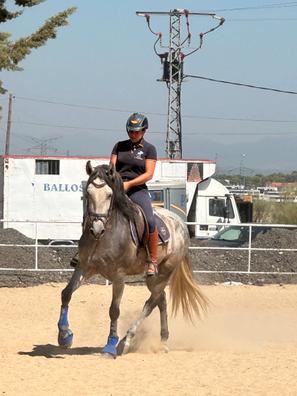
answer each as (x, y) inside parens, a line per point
(164, 347)
(111, 347)
(65, 338)
(123, 346)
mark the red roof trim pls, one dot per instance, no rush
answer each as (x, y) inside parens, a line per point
(205, 161)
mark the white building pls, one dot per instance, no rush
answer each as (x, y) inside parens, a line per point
(49, 190)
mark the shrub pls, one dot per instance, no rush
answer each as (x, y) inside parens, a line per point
(274, 212)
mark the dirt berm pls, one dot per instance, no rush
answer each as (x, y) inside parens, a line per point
(54, 257)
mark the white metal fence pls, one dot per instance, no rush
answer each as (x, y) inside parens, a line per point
(250, 248)
(37, 245)
(63, 243)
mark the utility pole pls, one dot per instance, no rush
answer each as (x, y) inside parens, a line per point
(242, 170)
(8, 127)
(173, 69)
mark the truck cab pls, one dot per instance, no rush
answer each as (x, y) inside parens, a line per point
(207, 203)
(210, 205)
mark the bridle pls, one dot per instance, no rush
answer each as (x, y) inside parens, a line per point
(94, 216)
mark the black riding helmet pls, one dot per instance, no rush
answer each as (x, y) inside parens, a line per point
(136, 122)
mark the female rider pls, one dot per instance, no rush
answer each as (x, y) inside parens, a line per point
(135, 160)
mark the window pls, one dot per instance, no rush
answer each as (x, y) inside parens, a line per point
(47, 167)
(221, 208)
(157, 196)
(231, 234)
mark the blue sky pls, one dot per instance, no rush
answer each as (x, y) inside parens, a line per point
(104, 59)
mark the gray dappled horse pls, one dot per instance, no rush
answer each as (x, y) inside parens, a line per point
(107, 248)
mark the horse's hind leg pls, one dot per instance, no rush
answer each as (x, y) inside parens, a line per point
(65, 335)
(157, 297)
(114, 313)
(162, 305)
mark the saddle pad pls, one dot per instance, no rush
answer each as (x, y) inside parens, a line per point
(134, 233)
(163, 232)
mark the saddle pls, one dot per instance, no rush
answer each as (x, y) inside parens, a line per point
(140, 231)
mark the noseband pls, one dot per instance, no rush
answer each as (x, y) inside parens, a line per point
(93, 216)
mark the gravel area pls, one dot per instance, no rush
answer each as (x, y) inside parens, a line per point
(54, 257)
(276, 261)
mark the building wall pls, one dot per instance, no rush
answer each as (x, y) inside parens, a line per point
(58, 198)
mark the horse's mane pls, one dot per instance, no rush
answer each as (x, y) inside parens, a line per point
(121, 202)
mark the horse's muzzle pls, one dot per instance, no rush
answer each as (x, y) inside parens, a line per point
(97, 228)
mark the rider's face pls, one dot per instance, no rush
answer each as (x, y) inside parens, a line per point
(136, 136)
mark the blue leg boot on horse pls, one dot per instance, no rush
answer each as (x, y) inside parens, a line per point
(65, 336)
(111, 346)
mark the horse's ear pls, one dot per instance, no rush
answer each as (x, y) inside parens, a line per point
(89, 168)
(112, 171)
(115, 177)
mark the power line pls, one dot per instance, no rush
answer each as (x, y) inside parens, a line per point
(243, 133)
(239, 119)
(288, 4)
(155, 132)
(260, 19)
(93, 107)
(241, 84)
(41, 124)
(63, 126)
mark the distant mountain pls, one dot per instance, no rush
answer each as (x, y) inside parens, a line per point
(264, 156)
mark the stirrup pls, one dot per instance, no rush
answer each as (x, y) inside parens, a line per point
(152, 269)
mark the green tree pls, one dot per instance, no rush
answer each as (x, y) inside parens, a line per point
(13, 52)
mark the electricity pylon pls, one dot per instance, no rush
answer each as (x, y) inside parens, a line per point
(173, 70)
(42, 145)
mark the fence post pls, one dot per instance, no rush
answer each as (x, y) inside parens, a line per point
(250, 248)
(36, 247)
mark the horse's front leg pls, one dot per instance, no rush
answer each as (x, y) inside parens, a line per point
(65, 335)
(114, 313)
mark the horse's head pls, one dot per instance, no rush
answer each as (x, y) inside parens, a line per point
(105, 193)
(98, 195)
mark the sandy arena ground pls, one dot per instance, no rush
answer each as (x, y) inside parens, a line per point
(246, 346)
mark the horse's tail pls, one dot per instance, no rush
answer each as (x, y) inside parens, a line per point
(185, 292)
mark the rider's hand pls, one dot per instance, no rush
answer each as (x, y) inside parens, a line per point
(126, 186)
